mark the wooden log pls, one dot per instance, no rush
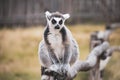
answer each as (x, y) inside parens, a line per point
(90, 62)
(97, 38)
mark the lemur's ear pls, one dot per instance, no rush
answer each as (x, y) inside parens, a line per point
(48, 14)
(66, 16)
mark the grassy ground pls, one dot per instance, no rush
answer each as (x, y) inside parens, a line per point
(19, 58)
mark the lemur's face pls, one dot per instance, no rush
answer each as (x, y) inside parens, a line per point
(56, 20)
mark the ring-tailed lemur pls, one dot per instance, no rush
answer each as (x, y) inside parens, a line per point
(58, 49)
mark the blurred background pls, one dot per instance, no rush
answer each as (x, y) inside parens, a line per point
(31, 12)
(21, 28)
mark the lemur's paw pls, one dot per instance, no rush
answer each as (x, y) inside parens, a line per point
(53, 68)
(65, 68)
(44, 77)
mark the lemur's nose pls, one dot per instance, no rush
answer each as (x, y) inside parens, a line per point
(57, 27)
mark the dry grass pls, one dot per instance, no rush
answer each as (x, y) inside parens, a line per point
(19, 58)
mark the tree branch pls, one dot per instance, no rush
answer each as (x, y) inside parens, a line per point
(90, 62)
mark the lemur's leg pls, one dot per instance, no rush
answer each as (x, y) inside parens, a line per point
(48, 59)
(66, 62)
(67, 50)
(44, 57)
(52, 55)
(66, 43)
(67, 54)
(75, 52)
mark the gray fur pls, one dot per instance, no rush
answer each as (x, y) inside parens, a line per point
(58, 50)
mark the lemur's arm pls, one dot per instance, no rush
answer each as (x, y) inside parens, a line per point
(66, 43)
(67, 54)
(50, 49)
(52, 55)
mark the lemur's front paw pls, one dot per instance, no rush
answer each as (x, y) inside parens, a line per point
(44, 77)
(54, 68)
(65, 68)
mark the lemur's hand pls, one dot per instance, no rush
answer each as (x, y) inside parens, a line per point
(61, 69)
(54, 67)
(65, 68)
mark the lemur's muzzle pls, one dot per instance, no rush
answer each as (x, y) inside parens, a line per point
(57, 27)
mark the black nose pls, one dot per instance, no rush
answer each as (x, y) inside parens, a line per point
(57, 27)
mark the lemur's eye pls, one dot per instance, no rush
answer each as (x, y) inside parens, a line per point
(54, 21)
(60, 22)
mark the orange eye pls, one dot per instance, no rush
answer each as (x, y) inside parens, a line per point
(54, 21)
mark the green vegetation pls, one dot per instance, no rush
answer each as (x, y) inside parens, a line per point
(19, 57)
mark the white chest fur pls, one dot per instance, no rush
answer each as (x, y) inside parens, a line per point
(56, 43)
